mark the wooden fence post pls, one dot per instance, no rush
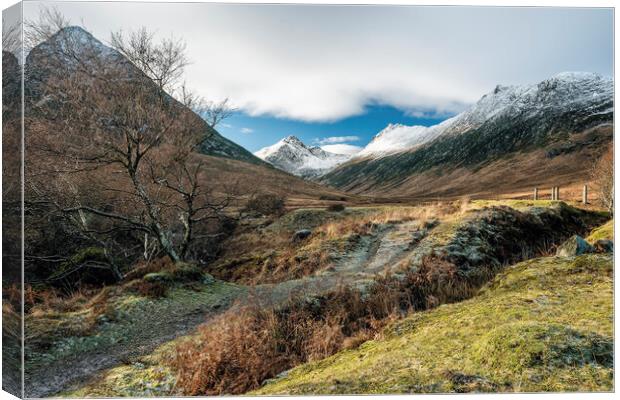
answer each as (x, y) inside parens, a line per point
(584, 199)
(557, 193)
(535, 193)
(553, 193)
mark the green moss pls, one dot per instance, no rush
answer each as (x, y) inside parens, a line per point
(513, 348)
(185, 272)
(542, 325)
(83, 255)
(605, 231)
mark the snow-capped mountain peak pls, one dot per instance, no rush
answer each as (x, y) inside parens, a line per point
(397, 137)
(292, 155)
(560, 93)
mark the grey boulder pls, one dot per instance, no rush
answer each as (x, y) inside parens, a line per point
(574, 246)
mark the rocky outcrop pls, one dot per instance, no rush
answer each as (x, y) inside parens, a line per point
(496, 236)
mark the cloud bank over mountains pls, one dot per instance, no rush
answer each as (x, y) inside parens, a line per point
(326, 63)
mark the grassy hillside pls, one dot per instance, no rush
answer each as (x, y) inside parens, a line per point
(411, 174)
(247, 178)
(542, 325)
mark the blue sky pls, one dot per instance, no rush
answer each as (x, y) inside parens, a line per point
(320, 70)
(255, 133)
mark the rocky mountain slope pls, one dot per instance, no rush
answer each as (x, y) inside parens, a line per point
(67, 49)
(292, 155)
(568, 116)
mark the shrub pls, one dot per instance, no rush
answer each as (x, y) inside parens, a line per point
(266, 204)
(336, 207)
(237, 351)
(240, 349)
(146, 267)
(153, 290)
(187, 273)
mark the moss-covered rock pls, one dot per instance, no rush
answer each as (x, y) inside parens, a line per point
(604, 246)
(180, 273)
(85, 266)
(513, 348)
(185, 272)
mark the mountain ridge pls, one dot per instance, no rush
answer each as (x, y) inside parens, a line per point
(510, 121)
(514, 98)
(52, 57)
(290, 154)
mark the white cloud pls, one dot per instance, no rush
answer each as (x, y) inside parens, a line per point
(347, 149)
(246, 130)
(337, 139)
(324, 63)
(223, 125)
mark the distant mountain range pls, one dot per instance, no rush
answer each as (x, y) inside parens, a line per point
(292, 155)
(513, 137)
(569, 114)
(563, 93)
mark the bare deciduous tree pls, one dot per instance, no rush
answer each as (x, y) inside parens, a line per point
(50, 20)
(11, 40)
(602, 176)
(162, 61)
(215, 112)
(125, 161)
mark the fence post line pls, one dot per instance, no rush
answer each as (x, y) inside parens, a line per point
(585, 194)
(535, 193)
(557, 193)
(552, 192)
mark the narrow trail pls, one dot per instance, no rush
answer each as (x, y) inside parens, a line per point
(375, 253)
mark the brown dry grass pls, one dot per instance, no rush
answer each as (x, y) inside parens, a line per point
(243, 347)
(145, 267)
(256, 256)
(515, 174)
